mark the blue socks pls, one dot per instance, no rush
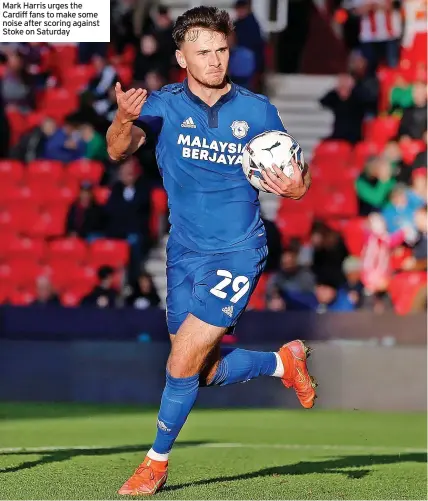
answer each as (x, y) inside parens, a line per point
(177, 401)
(239, 366)
(180, 394)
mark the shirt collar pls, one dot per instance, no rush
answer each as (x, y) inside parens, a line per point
(224, 98)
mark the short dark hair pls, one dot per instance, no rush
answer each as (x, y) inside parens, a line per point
(210, 18)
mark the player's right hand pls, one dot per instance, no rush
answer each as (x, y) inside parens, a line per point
(129, 103)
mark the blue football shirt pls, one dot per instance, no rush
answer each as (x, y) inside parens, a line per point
(213, 207)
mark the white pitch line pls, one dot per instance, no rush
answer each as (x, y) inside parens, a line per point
(229, 445)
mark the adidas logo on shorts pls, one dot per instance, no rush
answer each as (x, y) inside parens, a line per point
(228, 310)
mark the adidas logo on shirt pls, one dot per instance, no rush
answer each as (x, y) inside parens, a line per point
(228, 310)
(189, 123)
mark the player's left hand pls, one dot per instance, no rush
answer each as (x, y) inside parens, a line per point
(277, 182)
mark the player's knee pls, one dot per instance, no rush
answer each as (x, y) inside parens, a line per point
(181, 368)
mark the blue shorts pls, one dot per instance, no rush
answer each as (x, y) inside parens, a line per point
(215, 288)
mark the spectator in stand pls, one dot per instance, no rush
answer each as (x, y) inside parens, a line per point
(418, 260)
(419, 184)
(248, 33)
(85, 217)
(144, 293)
(45, 294)
(347, 109)
(421, 162)
(401, 96)
(127, 213)
(154, 81)
(399, 213)
(329, 252)
(294, 283)
(149, 58)
(32, 144)
(4, 130)
(274, 244)
(380, 31)
(96, 148)
(104, 295)
(66, 143)
(275, 302)
(123, 30)
(162, 30)
(366, 87)
(376, 259)
(354, 286)
(105, 78)
(16, 84)
(88, 50)
(242, 63)
(374, 185)
(331, 296)
(106, 108)
(399, 170)
(413, 123)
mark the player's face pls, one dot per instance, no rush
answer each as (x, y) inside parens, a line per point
(205, 55)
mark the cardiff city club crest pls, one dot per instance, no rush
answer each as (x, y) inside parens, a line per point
(239, 128)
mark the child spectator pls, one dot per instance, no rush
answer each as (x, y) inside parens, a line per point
(399, 213)
(103, 295)
(144, 293)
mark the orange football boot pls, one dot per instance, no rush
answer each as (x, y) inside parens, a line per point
(148, 479)
(296, 375)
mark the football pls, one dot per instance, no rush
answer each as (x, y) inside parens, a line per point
(271, 147)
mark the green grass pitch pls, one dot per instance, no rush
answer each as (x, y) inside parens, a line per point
(62, 451)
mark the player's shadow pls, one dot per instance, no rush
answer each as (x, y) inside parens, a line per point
(66, 454)
(354, 467)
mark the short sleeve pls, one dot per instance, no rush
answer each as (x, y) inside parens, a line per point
(273, 119)
(152, 115)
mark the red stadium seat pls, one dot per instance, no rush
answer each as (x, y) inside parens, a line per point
(15, 219)
(159, 208)
(85, 170)
(354, 235)
(73, 250)
(22, 297)
(409, 149)
(5, 292)
(45, 171)
(333, 149)
(403, 289)
(48, 224)
(124, 73)
(59, 102)
(363, 151)
(113, 253)
(16, 123)
(297, 224)
(20, 272)
(11, 171)
(76, 78)
(258, 297)
(335, 201)
(102, 194)
(61, 196)
(27, 248)
(288, 206)
(24, 197)
(382, 129)
(65, 56)
(325, 171)
(128, 55)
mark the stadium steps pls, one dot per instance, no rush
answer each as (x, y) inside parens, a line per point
(297, 99)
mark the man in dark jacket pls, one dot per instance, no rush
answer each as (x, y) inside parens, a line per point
(127, 213)
(103, 295)
(414, 120)
(347, 109)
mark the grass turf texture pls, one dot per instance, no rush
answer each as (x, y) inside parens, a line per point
(87, 452)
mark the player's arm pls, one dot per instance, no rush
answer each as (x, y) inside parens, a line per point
(294, 187)
(123, 137)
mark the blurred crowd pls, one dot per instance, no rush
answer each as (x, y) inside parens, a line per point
(57, 103)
